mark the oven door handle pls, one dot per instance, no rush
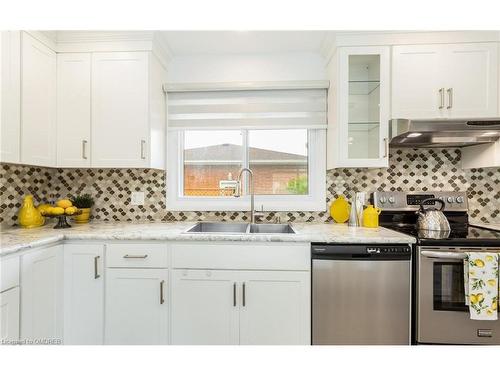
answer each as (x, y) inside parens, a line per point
(443, 255)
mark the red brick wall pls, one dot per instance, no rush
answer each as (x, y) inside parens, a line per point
(269, 179)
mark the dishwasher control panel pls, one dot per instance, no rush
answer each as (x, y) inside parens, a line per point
(360, 251)
(388, 250)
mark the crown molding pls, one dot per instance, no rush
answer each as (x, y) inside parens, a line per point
(89, 36)
(114, 41)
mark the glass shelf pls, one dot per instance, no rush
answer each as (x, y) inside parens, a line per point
(363, 87)
(363, 125)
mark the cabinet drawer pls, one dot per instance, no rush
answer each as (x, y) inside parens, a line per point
(9, 273)
(136, 255)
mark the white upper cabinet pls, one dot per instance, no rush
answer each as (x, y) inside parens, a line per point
(472, 86)
(38, 103)
(121, 134)
(445, 81)
(73, 109)
(359, 102)
(417, 83)
(10, 96)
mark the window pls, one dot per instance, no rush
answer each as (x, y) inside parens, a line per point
(212, 160)
(212, 135)
(278, 159)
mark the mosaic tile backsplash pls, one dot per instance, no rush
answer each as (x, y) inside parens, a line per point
(422, 169)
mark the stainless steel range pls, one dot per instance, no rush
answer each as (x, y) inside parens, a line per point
(441, 315)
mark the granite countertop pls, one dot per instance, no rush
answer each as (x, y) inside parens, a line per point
(13, 240)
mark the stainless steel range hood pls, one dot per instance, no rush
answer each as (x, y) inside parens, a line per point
(443, 132)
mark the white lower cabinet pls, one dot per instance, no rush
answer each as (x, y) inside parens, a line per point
(275, 308)
(204, 307)
(83, 294)
(9, 316)
(42, 295)
(136, 306)
(240, 307)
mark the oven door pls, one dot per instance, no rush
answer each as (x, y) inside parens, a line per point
(442, 316)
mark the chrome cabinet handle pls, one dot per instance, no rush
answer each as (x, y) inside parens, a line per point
(96, 273)
(386, 148)
(234, 294)
(84, 149)
(135, 256)
(244, 299)
(441, 93)
(162, 299)
(450, 98)
(143, 144)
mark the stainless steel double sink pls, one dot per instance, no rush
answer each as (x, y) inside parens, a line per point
(241, 228)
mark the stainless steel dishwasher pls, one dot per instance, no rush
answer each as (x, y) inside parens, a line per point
(361, 294)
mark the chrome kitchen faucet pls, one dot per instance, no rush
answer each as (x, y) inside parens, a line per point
(237, 194)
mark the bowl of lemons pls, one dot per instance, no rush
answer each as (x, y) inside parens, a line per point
(62, 209)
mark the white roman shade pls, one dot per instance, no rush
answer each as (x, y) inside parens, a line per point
(248, 109)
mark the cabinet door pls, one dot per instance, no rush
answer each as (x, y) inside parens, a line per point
(10, 97)
(73, 110)
(120, 109)
(9, 316)
(205, 307)
(136, 306)
(472, 80)
(38, 103)
(275, 308)
(83, 294)
(364, 97)
(418, 81)
(42, 294)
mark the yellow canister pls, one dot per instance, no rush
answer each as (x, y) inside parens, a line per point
(370, 216)
(29, 216)
(340, 209)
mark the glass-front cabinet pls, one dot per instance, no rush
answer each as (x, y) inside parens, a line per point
(362, 100)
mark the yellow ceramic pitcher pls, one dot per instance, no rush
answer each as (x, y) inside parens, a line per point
(370, 216)
(29, 216)
(339, 210)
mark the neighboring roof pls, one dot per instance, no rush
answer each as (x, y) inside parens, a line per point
(229, 152)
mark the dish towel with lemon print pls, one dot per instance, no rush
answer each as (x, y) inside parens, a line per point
(481, 285)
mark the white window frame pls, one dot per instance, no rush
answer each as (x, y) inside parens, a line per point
(315, 200)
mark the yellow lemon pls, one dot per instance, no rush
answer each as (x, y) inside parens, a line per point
(479, 263)
(492, 282)
(494, 305)
(70, 210)
(57, 210)
(489, 258)
(473, 299)
(42, 208)
(48, 210)
(489, 312)
(480, 297)
(64, 203)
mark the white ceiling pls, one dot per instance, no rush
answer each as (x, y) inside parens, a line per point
(241, 42)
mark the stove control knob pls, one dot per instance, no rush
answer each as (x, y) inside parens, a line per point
(460, 199)
(383, 199)
(392, 200)
(450, 199)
